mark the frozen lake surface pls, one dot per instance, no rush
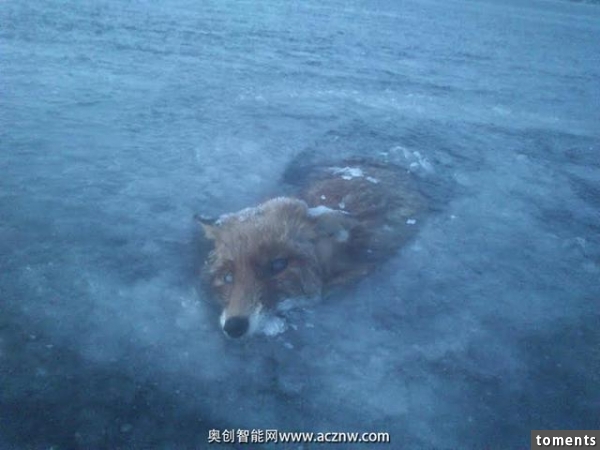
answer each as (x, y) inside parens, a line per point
(120, 120)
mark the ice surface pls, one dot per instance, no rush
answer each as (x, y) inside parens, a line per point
(120, 120)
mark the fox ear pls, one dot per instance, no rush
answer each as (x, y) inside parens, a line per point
(208, 226)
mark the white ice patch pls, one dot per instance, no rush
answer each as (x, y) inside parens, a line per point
(321, 209)
(287, 304)
(411, 221)
(372, 180)
(241, 216)
(222, 319)
(253, 211)
(296, 303)
(271, 325)
(256, 321)
(347, 173)
(415, 159)
(342, 236)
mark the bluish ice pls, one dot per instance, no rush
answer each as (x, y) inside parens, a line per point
(120, 120)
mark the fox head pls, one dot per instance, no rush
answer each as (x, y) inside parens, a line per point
(279, 250)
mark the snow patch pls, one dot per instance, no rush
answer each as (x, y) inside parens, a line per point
(241, 216)
(271, 325)
(296, 303)
(322, 209)
(342, 236)
(415, 160)
(347, 173)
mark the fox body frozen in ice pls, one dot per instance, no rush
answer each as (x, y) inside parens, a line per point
(342, 221)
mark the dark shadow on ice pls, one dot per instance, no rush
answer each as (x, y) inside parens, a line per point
(53, 398)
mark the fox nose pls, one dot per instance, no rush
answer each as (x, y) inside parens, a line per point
(236, 326)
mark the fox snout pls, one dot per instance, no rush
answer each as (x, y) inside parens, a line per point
(242, 299)
(236, 327)
(237, 323)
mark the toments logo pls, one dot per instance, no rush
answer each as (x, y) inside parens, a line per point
(564, 439)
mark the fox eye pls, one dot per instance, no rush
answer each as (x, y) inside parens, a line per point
(278, 265)
(228, 278)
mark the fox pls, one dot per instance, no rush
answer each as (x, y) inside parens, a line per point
(338, 224)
